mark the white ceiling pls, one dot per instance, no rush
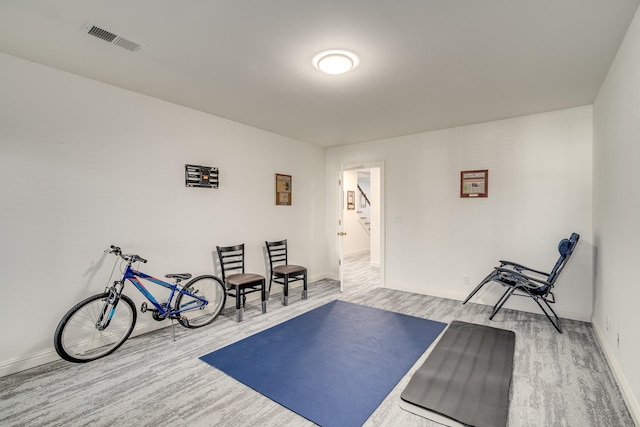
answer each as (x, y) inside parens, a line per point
(425, 64)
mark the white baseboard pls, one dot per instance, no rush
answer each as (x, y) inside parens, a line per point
(331, 276)
(627, 394)
(440, 293)
(12, 366)
(357, 252)
(526, 304)
(276, 288)
(520, 304)
(317, 277)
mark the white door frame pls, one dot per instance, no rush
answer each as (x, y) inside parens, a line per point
(351, 167)
(341, 232)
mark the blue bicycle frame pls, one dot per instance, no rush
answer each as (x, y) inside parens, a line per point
(132, 275)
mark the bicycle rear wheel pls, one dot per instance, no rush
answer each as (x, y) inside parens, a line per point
(208, 287)
(78, 338)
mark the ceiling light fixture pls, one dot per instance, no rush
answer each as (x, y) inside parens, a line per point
(335, 61)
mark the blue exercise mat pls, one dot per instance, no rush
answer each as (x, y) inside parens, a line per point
(333, 365)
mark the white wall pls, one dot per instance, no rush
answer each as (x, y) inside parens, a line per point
(540, 190)
(84, 165)
(616, 207)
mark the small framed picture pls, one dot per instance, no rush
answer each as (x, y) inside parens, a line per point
(351, 200)
(474, 183)
(283, 190)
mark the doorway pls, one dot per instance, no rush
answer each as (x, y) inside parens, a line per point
(362, 215)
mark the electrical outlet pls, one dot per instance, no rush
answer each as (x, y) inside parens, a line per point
(465, 280)
(607, 323)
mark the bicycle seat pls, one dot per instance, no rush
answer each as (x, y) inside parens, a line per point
(179, 276)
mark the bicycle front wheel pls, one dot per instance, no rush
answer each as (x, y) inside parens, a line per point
(78, 337)
(208, 287)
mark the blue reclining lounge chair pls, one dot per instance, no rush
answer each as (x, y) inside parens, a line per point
(523, 281)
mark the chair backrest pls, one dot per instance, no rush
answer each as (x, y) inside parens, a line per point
(277, 252)
(565, 247)
(231, 259)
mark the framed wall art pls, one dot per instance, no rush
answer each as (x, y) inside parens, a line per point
(351, 200)
(200, 176)
(283, 190)
(474, 183)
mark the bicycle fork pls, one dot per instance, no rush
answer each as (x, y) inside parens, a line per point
(110, 304)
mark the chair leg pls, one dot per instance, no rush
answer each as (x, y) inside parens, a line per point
(511, 290)
(304, 289)
(555, 324)
(265, 296)
(480, 285)
(503, 299)
(239, 309)
(285, 290)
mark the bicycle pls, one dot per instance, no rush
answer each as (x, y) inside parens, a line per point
(100, 324)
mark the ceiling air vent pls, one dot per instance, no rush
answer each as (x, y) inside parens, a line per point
(112, 38)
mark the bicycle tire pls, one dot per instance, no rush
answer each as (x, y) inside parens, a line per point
(78, 340)
(212, 289)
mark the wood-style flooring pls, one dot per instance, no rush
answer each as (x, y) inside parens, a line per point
(558, 379)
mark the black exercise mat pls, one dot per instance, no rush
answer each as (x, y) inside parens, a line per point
(467, 376)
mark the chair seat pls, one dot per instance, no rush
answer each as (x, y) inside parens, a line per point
(244, 279)
(288, 269)
(539, 290)
(514, 281)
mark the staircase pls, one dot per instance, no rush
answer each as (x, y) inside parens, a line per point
(364, 210)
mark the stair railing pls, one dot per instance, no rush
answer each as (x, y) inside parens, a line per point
(364, 210)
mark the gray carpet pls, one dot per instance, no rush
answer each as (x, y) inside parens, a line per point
(558, 379)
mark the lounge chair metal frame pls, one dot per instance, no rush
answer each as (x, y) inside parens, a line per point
(520, 281)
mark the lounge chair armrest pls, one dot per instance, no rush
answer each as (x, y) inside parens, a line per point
(519, 267)
(519, 276)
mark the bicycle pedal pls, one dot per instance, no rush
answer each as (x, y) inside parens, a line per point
(143, 307)
(184, 321)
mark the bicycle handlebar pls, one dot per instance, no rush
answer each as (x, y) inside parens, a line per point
(127, 257)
